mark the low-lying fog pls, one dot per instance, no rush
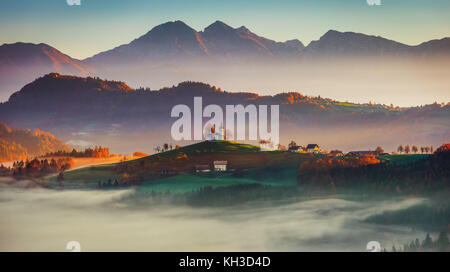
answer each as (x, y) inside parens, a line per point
(35, 219)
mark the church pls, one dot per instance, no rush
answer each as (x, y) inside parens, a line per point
(214, 135)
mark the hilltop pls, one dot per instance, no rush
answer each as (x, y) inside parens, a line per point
(244, 162)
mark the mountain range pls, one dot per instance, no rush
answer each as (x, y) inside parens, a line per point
(219, 40)
(105, 112)
(178, 40)
(168, 52)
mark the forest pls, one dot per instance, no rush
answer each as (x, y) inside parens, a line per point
(37, 168)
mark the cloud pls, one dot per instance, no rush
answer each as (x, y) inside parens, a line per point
(81, 143)
(45, 220)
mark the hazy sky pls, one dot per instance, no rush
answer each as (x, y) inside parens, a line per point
(98, 25)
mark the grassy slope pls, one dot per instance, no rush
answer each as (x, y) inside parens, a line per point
(86, 177)
(249, 164)
(404, 159)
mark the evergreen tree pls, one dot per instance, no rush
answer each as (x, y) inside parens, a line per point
(427, 243)
(442, 242)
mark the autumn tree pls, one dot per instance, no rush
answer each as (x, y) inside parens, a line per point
(407, 149)
(427, 243)
(292, 144)
(400, 149)
(443, 148)
(415, 149)
(281, 147)
(262, 141)
(379, 150)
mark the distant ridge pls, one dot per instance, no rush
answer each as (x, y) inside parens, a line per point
(223, 41)
(22, 62)
(335, 43)
(74, 107)
(28, 56)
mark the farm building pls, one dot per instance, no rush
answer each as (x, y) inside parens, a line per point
(313, 148)
(220, 165)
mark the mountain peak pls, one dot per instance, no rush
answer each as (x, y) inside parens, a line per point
(170, 28)
(334, 34)
(177, 23)
(27, 46)
(218, 26)
(335, 43)
(243, 29)
(295, 43)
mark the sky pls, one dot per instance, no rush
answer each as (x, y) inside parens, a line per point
(98, 25)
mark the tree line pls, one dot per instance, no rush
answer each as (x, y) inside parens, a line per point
(165, 147)
(430, 173)
(442, 244)
(414, 149)
(96, 152)
(36, 168)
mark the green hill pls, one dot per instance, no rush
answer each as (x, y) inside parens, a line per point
(245, 162)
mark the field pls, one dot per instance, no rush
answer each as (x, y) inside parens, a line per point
(404, 158)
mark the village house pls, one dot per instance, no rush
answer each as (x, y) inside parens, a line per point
(296, 148)
(336, 153)
(220, 166)
(313, 148)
